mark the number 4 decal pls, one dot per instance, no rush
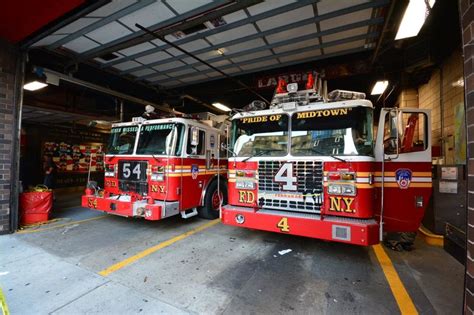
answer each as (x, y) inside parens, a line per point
(283, 225)
(285, 175)
(137, 171)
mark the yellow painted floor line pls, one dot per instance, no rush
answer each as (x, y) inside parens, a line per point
(431, 238)
(151, 250)
(403, 299)
(27, 226)
(27, 231)
(3, 304)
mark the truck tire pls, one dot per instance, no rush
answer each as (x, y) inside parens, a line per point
(210, 210)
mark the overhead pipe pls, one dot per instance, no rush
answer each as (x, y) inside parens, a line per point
(123, 96)
(162, 38)
(105, 90)
(382, 34)
(192, 98)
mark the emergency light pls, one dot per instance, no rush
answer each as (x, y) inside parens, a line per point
(292, 87)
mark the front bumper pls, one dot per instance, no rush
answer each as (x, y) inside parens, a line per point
(331, 228)
(123, 207)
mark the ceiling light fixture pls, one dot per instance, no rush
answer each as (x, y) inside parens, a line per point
(458, 83)
(414, 17)
(35, 80)
(34, 85)
(379, 87)
(221, 107)
(220, 51)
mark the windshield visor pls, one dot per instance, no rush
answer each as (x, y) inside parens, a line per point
(338, 131)
(122, 140)
(260, 136)
(157, 139)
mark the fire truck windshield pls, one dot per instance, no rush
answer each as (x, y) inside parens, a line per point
(338, 131)
(122, 140)
(160, 139)
(261, 135)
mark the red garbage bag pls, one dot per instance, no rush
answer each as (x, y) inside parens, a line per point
(35, 206)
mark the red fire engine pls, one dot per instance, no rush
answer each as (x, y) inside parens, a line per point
(158, 168)
(314, 165)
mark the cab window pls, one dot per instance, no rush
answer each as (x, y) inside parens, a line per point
(199, 148)
(222, 146)
(405, 132)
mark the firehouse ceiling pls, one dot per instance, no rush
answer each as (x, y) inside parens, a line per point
(237, 37)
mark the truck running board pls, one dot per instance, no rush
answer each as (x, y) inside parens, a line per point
(186, 215)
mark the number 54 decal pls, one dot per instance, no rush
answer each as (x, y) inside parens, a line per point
(283, 225)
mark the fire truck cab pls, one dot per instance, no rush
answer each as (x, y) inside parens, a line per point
(315, 166)
(163, 167)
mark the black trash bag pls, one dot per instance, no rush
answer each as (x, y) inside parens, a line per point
(400, 241)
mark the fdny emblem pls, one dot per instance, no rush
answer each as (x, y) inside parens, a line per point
(403, 178)
(194, 171)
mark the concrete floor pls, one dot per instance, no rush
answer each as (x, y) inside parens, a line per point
(221, 269)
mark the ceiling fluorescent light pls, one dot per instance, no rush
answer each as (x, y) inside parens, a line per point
(414, 18)
(379, 87)
(458, 83)
(35, 85)
(222, 107)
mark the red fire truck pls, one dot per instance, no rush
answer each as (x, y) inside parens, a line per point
(158, 168)
(314, 165)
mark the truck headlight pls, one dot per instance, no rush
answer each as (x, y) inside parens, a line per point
(342, 189)
(348, 190)
(334, 189)
(157, 177)
(244, 184)
(109, 170)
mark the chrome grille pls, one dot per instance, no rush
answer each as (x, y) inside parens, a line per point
(309, 176)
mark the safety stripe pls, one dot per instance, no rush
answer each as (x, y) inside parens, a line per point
(367, 174)
(199, 173)
(363, 186)
(412, 185)
(414, 174)
(186, 167)
(200, 170)
(363, 174)
(414, 179)
(358, 174)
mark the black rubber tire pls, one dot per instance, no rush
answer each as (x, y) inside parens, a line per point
(206, 211)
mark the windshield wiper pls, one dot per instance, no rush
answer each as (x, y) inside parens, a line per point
(260, 154)
(314, 150)
(155, 158)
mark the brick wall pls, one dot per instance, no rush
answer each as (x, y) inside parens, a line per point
(8, 98)
(428, 98)
(453, 95)
(428, 95)
(467, 25)
(408, 98)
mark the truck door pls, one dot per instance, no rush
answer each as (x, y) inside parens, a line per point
(403, 171)
(193, 168)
